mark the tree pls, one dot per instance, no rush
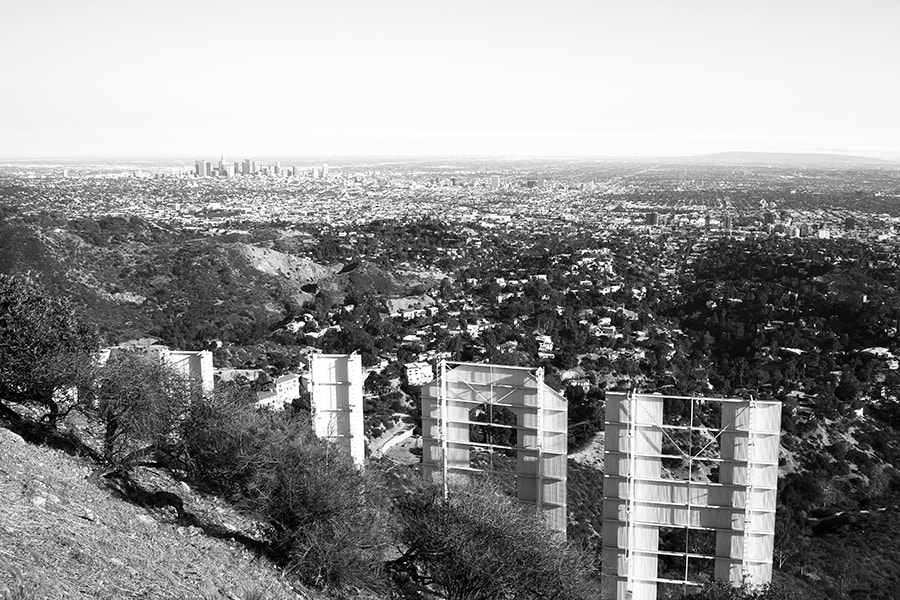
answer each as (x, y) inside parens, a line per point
(585, 414)
(140, 402)
(377, 383)
(847, 391)
(45, 349)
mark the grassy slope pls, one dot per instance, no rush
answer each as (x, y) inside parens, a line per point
(67, 538)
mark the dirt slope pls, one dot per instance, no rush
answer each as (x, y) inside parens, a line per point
(64, 537)
(272, 262)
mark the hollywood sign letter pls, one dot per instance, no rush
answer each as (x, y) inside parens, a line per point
(684, 501)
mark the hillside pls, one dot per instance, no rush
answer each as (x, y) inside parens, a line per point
(810, 322)
(136, 278)
(64, 537)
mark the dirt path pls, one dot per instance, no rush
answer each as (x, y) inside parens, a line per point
(592, 454)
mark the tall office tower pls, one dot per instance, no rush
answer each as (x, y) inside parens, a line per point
(222, 164)
(315, 172)
(277, 169)
(295, 171)
(237, 168)
(324, 170)
(653, 218)
(248, 167)
(495, 182)
(198, 168)
(729, 222)
(65, 173)
(769, 218)
(849, 223)
(228, 171)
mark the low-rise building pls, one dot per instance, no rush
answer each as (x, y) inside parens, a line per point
(196, 366)
(418, 373)
(283, 390)
(545, 343)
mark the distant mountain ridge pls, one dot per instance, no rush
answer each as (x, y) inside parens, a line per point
(808, 159)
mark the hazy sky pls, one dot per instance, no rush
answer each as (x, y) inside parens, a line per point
(486, 77)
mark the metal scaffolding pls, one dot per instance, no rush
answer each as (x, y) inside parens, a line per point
(541, 420)
(734, 516)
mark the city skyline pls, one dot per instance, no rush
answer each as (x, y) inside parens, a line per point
(401, 78)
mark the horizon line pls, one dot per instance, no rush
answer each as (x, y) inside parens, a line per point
(881, 156)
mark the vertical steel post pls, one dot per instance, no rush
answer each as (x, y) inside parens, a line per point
(539, 497)
(687, 529)
(629, 503)
(748, 496)
(444, 427)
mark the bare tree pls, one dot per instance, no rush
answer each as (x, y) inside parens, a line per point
(140, 402)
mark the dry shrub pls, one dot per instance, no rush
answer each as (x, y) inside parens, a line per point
(723, 590)
(481, 545)
(222, 439)
(18, 589)
(140, 401)
(327, 522)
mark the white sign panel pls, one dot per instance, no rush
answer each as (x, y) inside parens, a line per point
(469, 395)
(689, 492)
(336, 399)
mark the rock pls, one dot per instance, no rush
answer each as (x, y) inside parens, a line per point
(185, 487)
(146, 521)
(10, 438)
(53, 498)
(39, 501)
(89, 515)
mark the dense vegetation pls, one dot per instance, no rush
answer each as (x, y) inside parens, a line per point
(326, 522)
(44, 348)
(801, 321)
